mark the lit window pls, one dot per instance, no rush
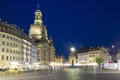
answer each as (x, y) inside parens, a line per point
(3, 43)
(2, 57)
(14, 45)
(11, 44)
(10, 51)
(6, 57)
(2, 49)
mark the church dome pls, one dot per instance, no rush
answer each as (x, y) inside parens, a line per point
(35, 31)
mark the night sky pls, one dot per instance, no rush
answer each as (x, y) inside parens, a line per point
(78, 23)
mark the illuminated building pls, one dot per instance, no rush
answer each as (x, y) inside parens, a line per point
(87, 56)
(59, 60)
(38, 33)
(99, 52)
(15, 46)
(29, 51)
(83, 56)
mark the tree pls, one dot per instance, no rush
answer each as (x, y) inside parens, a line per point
(99, 61)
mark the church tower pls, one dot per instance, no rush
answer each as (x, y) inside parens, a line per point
(38, 33)
(36, 28)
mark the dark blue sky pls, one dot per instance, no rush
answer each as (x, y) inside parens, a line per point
(79, 23)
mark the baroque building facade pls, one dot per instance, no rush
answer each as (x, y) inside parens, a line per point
(16, 48)
(88, 56)
(38, 33)
(59, 60)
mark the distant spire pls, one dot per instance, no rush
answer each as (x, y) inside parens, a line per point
(38, 6)
(38, 15)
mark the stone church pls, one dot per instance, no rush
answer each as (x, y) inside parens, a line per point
(38, 33)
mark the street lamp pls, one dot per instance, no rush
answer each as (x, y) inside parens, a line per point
(115, 49)
(113, 46)
(72, 49)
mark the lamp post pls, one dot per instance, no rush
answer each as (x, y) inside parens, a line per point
(72, 49)
(114, 57)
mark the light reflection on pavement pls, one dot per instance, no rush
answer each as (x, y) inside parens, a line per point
(65, 74)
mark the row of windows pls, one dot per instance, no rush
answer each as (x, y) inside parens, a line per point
(95, 55)
(26, 48)
(16, 42)
(10, 58)
(14, 45)
(14, 51)
(92, 55)
(93, 52)
(10, 44)
(10, 51)
(8, 30)
(10, 38)
(95, 49)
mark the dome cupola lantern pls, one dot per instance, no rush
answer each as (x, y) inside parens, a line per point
(38, 16)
